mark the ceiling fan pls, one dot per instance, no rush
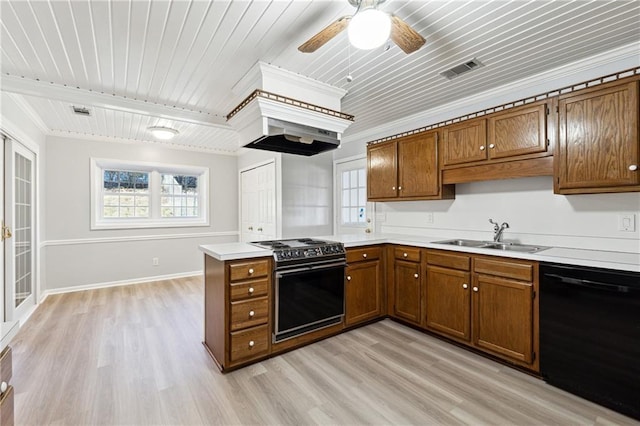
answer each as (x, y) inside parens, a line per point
(368, 29)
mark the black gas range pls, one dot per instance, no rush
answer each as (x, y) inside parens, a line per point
(303, 251)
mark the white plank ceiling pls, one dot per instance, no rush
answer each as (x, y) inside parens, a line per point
(138, 63)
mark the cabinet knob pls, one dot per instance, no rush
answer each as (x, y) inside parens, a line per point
(404, 255)
(399, 188)
(251, 271)
(393, 188)
(259, 229)
(492, 146)
(481, 147)
(415, 275)
(364, 255)
(348, 277)
(475, 288)
(465, 286)
(3, 387)
(251, 228)
(251, 313)
(633, 167)
(251, 343)
(251, 290)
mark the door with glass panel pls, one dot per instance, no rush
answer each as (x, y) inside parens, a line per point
(19, 212)
(353, 213)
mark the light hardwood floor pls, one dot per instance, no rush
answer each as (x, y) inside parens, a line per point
(133, 355)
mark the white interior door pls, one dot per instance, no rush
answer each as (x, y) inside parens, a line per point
(258, 203)
(19, 214)
(353, 213)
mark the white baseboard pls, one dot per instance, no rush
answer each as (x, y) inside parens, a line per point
(94, 286)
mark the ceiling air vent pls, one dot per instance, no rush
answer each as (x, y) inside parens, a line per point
(461, 69)
(82, 111)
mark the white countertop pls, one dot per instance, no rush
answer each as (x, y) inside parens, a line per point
(594, 258)
(7, 331)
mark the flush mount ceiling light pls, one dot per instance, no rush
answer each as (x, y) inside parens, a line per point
(369, 29)
(164, 133)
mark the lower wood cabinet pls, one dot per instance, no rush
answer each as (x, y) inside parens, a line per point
(407, 284)
(486, 302)
(6, 396)
(364, 289)
(237, 310)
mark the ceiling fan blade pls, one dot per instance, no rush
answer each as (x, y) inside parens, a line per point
(329, 32)
(404, 36)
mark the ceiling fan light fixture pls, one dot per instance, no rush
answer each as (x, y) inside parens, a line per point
(164, 133)
(369, 29)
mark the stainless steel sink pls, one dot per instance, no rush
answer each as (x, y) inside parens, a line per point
(522, 248)
(463, 243)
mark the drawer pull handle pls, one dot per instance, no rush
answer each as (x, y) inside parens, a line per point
(633, 167)
(348, 277)
(364, 255)
(251, 290)
(3, 387)
(404, 255)
(251, 313)
(251, 343)
(415, 275)
(475, 289)
(251, 271)
(465, 286)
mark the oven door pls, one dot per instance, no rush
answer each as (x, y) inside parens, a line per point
(308, 298)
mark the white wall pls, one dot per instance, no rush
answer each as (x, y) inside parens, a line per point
(79, 257)
(535, 214)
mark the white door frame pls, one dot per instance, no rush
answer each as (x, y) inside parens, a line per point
(337, 202)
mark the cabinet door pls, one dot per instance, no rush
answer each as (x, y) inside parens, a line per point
(449, 302)
(518, 131)
(407, 291)
(418, 165)
(465, 142)
(598, 138)
(503, 317)
(362, 292)
(382, 171)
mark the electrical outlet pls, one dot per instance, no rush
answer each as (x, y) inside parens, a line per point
(429, 217)
(155, 261)
(627, 222)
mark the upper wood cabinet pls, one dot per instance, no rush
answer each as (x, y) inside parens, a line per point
(598, 149)
(501, 136)
(465, 142)
(406, 168)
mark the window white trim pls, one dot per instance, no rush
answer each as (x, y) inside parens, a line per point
(98, 165)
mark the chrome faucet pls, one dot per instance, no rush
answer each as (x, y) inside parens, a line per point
(498, 230)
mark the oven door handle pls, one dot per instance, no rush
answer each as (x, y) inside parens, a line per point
(280, 274)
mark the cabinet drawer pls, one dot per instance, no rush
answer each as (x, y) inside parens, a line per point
(367, 253)
(407, 253)
(250, 343)
(244, 270)
(449, 260)
(504, 268)
(6, 367)
(249, 289)
(249, 313)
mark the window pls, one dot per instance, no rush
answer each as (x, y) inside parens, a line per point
(144, 195)
(354, 197)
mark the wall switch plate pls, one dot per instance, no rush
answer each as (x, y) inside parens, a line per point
(627, 222)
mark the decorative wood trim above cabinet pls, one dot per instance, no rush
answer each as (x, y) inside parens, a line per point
(542, 166)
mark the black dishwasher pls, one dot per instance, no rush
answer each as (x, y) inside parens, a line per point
(590, 334)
